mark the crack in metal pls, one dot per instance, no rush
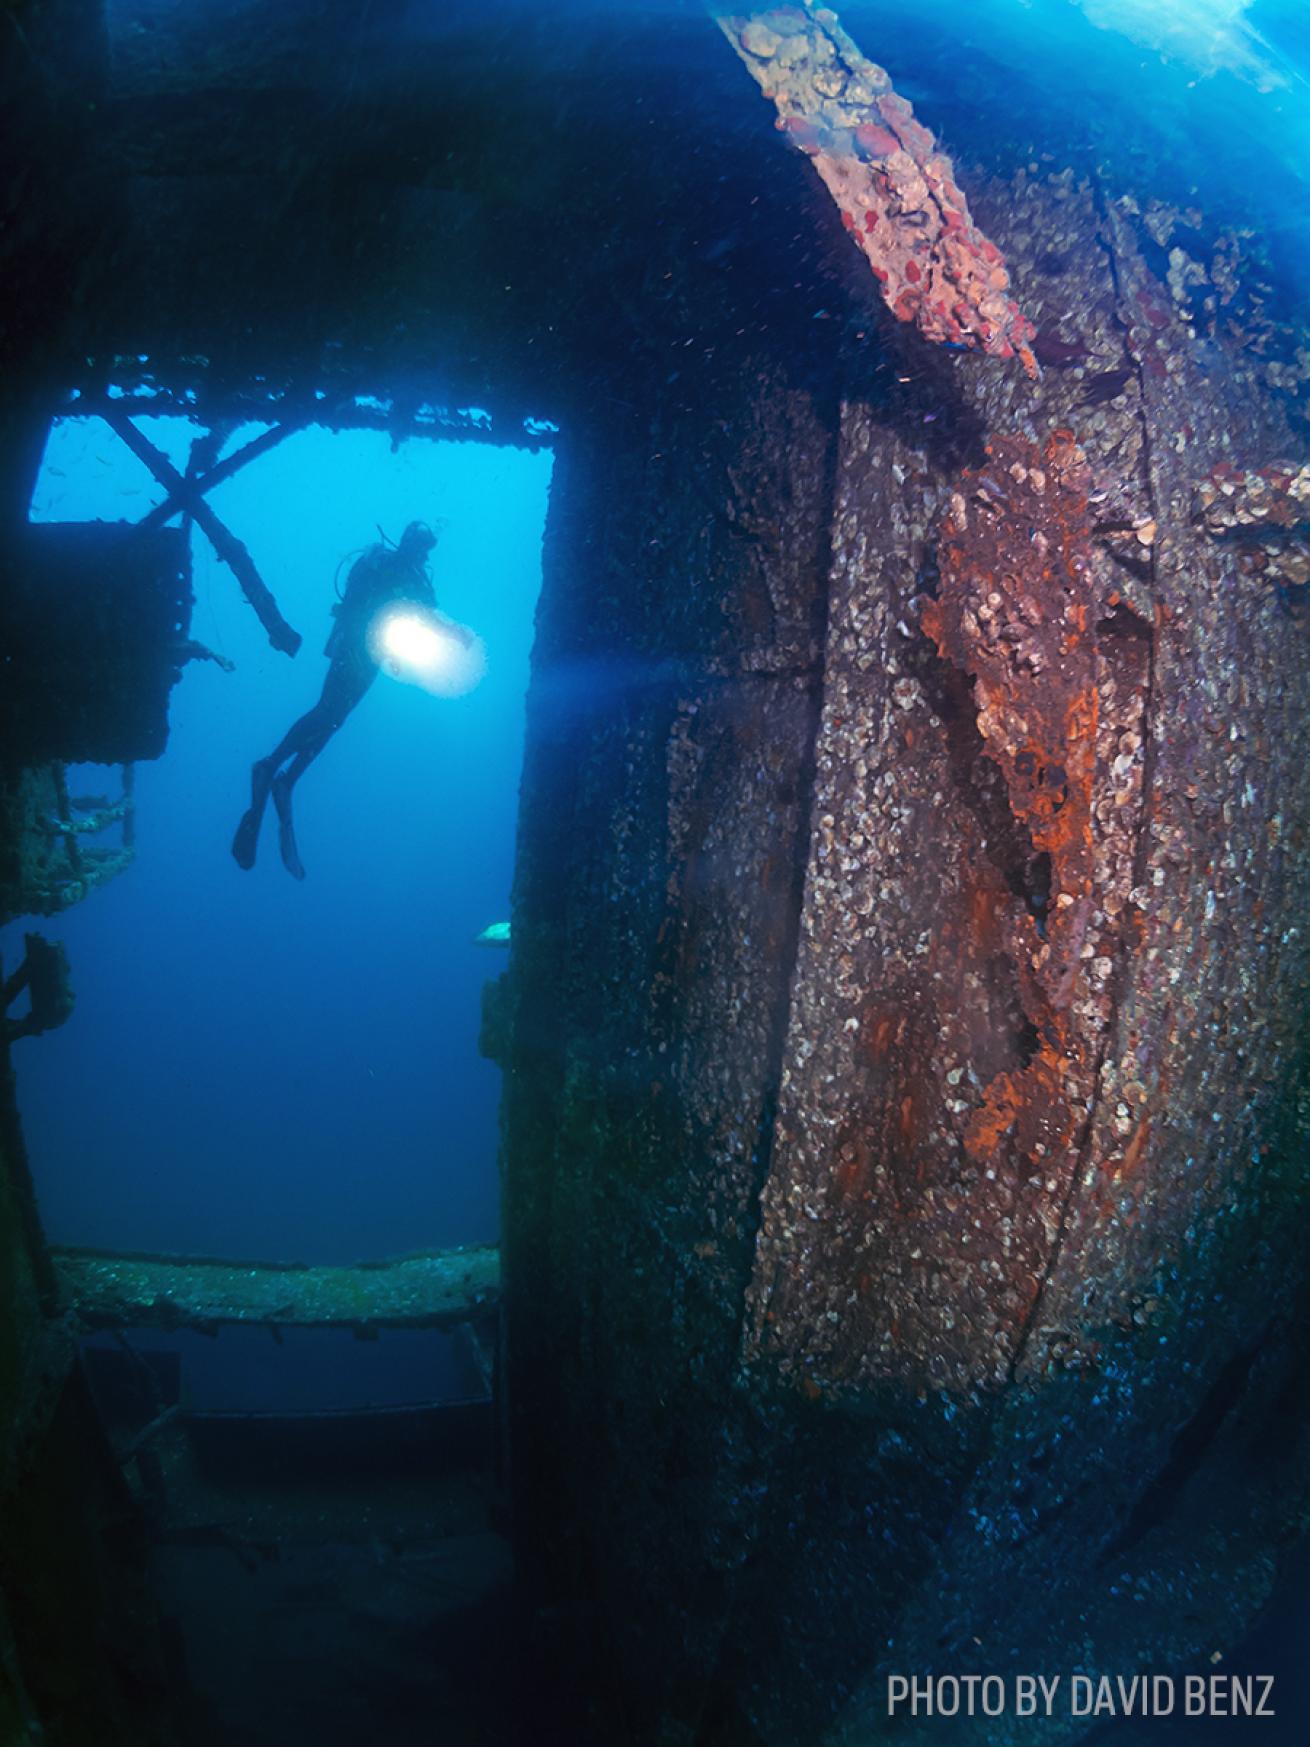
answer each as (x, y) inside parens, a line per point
(1140, 846)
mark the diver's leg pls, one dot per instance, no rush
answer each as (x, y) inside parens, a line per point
(313, 729)
(246, 840)
(283, 783)
(342, 690)
(286, 828)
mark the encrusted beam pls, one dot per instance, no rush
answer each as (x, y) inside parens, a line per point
(185, 494)
(893, 185)
(438, 1290)
(222, 470)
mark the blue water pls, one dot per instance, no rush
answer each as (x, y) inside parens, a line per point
(257, 1067)
(1204, 101)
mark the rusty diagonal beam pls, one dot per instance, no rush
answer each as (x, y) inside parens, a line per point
(216, 475)
(188, 495)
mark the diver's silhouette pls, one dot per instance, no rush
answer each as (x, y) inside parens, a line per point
(383, 574)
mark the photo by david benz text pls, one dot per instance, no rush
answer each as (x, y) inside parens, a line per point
(1081, 1695)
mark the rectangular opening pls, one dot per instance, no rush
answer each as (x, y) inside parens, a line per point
(259, 1066)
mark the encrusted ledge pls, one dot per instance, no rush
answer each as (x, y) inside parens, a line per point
(439, 1289)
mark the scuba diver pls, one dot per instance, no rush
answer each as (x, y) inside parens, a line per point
(384, 574)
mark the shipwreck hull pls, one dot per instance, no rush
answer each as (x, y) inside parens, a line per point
(906, 1103)
(905, 1122)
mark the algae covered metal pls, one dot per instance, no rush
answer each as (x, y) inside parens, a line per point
(935, 1326)
(439, 1290)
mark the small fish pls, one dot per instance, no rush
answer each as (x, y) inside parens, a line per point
(1058, 354)
(495, 934)
(1106, 385)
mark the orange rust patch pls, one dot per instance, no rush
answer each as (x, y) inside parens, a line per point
(989, 1126)
(1135, 1148)
(1029, 1104)
(1016, 610)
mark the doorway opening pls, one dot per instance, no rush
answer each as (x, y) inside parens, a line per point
(258, 1069)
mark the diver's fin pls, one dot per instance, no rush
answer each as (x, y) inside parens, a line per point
(246, 841)
(286, 830)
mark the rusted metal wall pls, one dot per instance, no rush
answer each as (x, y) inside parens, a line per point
(1033, 1131)
(944, 1323)
(663, 826)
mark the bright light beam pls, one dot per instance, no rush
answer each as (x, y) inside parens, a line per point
(420, 647)
(1209, 36)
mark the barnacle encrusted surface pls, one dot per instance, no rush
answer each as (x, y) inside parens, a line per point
(1265, 514)
(900, 1314)
(895, 188)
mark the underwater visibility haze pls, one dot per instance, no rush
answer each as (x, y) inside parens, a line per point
(653, 873)
(271, 1067)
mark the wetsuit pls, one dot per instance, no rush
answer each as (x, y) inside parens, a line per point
(384, 574)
